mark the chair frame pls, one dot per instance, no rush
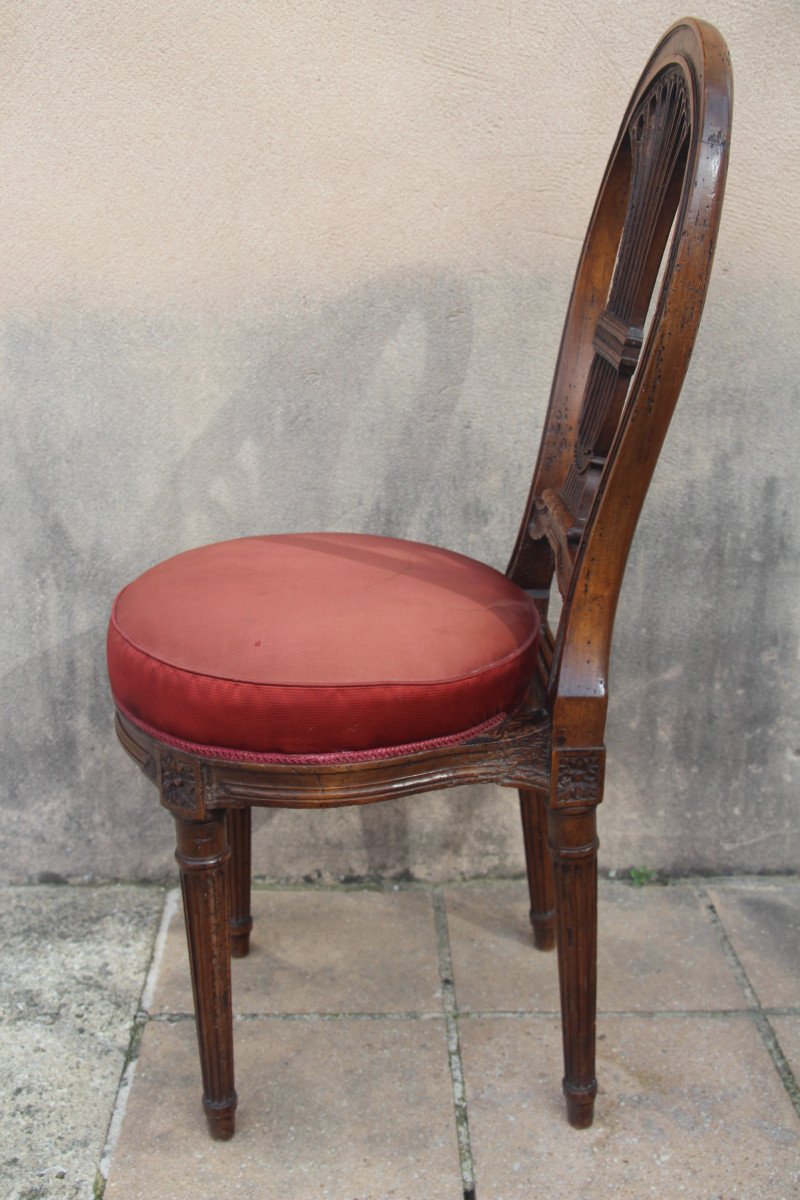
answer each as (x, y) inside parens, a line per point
(612, 399)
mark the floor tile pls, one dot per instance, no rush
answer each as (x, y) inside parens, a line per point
(323, 951)
(689, 1107)
(335, 1109)
(495, 964)
(657, 951)
(763, 924)
(72, 965)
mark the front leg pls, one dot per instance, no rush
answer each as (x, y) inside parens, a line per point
(576, 790)
(204, 857)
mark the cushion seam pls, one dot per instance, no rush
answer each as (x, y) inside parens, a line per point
(426, 683)
(322, 757)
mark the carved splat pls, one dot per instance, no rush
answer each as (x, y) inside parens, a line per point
(657, 133)
(658, 139)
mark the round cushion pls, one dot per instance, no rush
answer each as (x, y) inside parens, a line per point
(317, 643)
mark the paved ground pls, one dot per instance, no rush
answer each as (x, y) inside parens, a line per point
(403, 1044)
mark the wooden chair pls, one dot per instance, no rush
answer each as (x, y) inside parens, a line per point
(330, 669)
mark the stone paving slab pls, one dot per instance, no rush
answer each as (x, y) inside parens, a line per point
(658, 950)
(323, 951)
(72, 964)
(335, 1109)
(763, 924)
(689, 1107)
(361, 1108)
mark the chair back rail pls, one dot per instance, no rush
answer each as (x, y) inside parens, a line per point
(617, 379)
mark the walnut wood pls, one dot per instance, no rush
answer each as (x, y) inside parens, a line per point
(515, 754)
(623, 356)
(575, 791)
(574, 847)
(241, 920)
(541, 885)
(203, 857)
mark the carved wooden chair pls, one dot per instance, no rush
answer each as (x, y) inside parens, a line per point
(328, 669)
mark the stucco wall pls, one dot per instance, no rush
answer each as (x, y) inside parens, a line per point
(275, 266)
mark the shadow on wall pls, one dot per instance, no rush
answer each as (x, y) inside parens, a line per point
(345, 413)
(341, 416)
(717, 723)
(129, 438)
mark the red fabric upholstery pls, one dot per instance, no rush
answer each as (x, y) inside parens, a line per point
(318, 643)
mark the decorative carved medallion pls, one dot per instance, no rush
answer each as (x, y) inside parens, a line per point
(579, 776)
(178, 784)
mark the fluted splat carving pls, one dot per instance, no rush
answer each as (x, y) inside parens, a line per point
(658, 136)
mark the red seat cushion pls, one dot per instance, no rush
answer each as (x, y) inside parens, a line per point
(318, 643)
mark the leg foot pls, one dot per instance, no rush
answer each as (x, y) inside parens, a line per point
(541, 887)
(580, 1104)
(544, 936)
(240, 938)
(221, 1117)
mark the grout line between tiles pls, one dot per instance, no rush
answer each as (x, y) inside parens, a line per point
(768, 1035)
(174, 1018)
(453, 1045)
(770, 1039)
(132, 1054)
(617, 879)
(727, 946)
(500, 1014)
(650, 1013)
(260, 884)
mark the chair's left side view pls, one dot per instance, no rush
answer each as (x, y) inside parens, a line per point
(317, 670)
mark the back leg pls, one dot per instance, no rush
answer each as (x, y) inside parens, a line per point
(540, 869)
(241, 921)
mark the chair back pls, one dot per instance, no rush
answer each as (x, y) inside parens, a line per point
(624, 354)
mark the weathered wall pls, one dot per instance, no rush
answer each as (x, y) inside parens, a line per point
(274, 267)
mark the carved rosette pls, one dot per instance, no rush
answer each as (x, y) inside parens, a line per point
(179, 784)
(578, 776)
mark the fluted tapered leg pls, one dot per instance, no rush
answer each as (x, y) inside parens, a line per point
(573, 842)
(204, 857)
(239, 826)
(541, 888)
